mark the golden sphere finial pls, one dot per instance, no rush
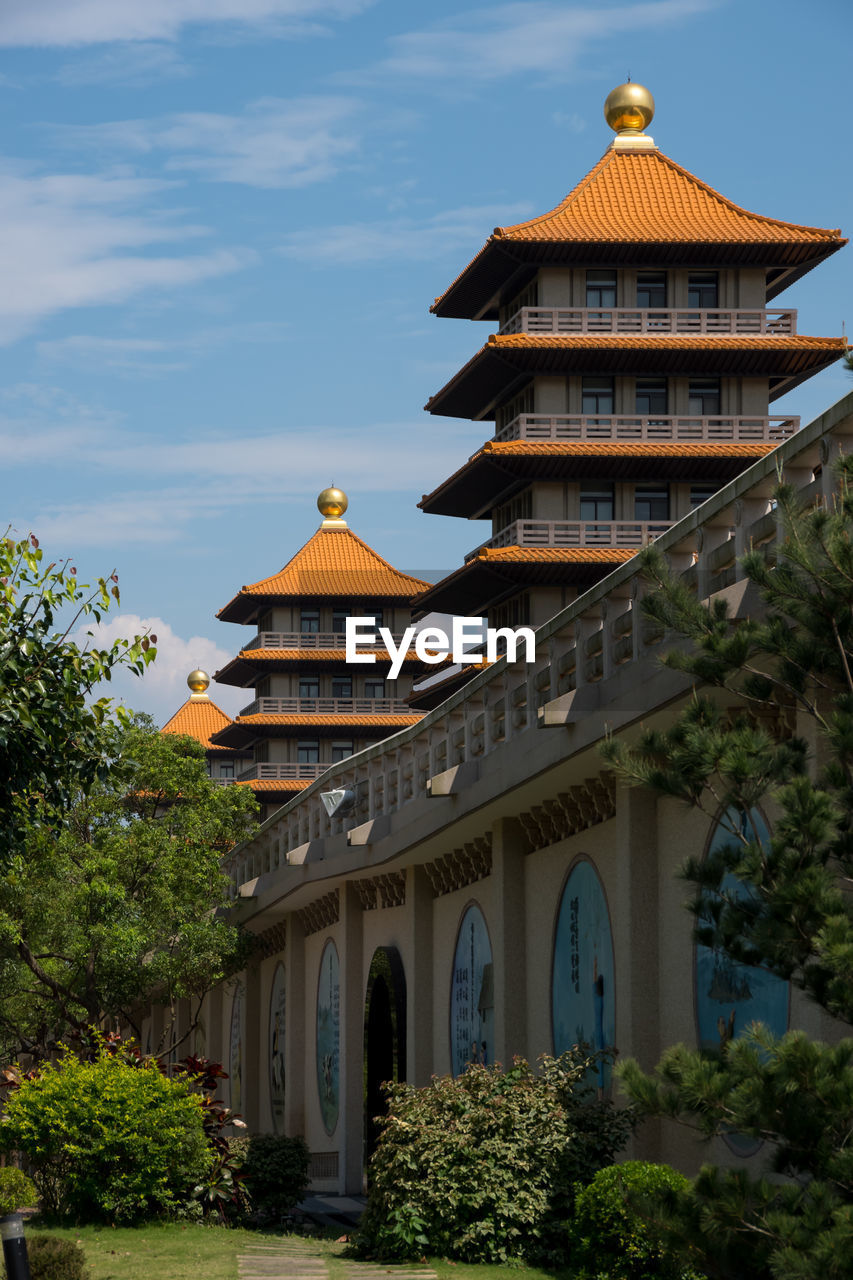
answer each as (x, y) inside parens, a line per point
(332, 503)
(198, 681)
(629, 108)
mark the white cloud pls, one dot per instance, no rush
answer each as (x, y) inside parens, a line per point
(274, 142)
(425, 239)
(70, 240)
(130, 66)
(150, 356)
(163, 687)
(81, 22)
(529, 36)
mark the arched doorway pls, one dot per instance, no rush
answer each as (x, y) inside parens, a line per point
(384, 1037)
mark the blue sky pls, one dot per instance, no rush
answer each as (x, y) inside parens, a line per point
(222, 223)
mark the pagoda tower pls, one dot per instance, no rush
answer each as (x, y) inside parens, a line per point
(630, 377)
(309, 708)
(201, 718)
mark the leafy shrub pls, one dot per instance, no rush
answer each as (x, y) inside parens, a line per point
(276, 1173)
(107, 1140)
(614, 1236)
(55, 1259)
(16, 1191)
(481, 1168)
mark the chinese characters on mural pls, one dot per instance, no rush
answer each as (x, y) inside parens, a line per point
(235, 1055)
(276, 1050)
(583, 1006)
(472, 997)
(329, 1037)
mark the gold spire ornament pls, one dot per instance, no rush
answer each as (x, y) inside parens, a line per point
(332, 503)
(198, 682)
(628, 109)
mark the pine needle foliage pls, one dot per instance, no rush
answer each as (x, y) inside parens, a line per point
(781, 901)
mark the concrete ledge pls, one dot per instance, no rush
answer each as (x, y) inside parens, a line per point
(369, 832)
(454, 780)
(558, 712)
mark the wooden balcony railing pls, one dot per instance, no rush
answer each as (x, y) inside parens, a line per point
(326, 706)
(578, 426)
(577, 533)
(278, 772)
(305, 640)
(641, 320)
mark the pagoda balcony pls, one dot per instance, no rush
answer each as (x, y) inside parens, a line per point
(576, 533)
(326, 707)
(587, 320)
(305, 640)
(282, 772)
(680, 427)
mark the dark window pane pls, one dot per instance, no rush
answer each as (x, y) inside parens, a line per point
(596, 502)
(601, 288)
(700, 493)
(651, 502)
(374, 688)
(342, 687)
(703, 289)
(597, 396)
(651, 289)
(309, 687)
(309, 620)
(339, 620)
(308, 752)
(651, 396)
(341, 750)
(704, 397)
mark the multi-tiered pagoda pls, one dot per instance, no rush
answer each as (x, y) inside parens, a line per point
(631, 375)
(309, 708)
(201, 718)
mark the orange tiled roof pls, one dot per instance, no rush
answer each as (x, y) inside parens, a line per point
(628, 449)
(553, 555)
(199, 718)
(306, 655)
(668, 341)
(334, 562)
(276, 784)
(317, 721)
(644, 196)
(637, 198)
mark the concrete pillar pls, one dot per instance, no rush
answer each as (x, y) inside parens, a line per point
(351, 1122)
(419, 993)
(296, 1043)
(508, 939)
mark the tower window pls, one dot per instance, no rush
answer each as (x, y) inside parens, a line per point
(651, 289)
(651, 502)
(651, 396)
(339, 620)
(342, 686)
(700, 493)
(341, 750)
(704, 396)
(374, 688)
(703, 289)
(597, 396)
(601, 288)
(309, 621)
(309, 687)
(308, 752)
(596, 502)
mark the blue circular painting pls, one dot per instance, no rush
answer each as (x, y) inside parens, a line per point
(472, 995)
(329, 1037)
(583, 1001)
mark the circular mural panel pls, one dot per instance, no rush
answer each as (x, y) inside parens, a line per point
(472, 995)
(329, 1037)
(730, 995)
(276, 1050)
(583, 999)
(235, 1049)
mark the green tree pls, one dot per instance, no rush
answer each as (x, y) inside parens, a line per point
(782, 901)
(49, 724)
(119, 907)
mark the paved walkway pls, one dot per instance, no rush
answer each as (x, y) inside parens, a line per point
(296, 1258)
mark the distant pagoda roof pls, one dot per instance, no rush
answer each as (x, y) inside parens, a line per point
(492, 574)
(494, 472)
(335, 562)
(509, 360)
(636, 206)
(199, 718)
(245, 730)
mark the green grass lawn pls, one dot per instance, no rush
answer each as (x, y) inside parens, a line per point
(172, 1251)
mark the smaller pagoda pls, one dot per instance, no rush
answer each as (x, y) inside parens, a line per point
(201, 718)
(309, 708)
